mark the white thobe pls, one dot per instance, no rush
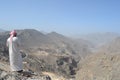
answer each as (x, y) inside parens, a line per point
(14, 54)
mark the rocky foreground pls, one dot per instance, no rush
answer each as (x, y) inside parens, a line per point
(6, 74)
(40, 67)
(28, 76)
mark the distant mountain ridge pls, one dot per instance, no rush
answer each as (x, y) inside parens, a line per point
(52, 42)
(99, 39)
(1, 30)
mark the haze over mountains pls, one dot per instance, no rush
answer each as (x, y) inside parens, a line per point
(99, 39)
(112, 48)
(1, 30)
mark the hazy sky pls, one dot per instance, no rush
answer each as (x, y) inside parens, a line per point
(63, 16)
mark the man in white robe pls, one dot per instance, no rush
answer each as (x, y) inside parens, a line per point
(14, 52)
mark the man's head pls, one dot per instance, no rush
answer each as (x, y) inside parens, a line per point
(13, 33)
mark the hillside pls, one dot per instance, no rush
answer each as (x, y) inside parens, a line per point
(103, 65)
(112, 47)
(75, 46)
(100, 67)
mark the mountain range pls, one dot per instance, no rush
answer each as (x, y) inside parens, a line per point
(66, 56)
(52, 43)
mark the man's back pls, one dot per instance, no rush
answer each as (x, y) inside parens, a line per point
(13, 44)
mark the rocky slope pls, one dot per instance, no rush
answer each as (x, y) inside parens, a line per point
(45, 66)
(28, 75)
(112, 48)
(100, 67)
(75, 46)
(103, 65)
